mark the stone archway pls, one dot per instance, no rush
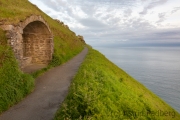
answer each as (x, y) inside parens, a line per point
(36, 43)
(31, 40)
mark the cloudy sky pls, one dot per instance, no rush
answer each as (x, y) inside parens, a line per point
(118, 22)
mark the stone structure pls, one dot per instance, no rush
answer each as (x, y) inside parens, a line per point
(81, 38)
(66, 26)
(31, 40)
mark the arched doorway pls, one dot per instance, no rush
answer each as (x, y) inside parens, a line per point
(36, 43)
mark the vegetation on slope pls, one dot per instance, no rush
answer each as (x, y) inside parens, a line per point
(14, 84)
(102, 91)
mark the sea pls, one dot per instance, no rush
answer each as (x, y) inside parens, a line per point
(157, 68)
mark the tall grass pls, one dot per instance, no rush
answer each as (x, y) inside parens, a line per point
(102, 91)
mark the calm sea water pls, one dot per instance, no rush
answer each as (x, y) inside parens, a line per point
(158, 68)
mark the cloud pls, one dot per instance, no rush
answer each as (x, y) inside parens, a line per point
(127, 12)
(152, 4)
(92, 22)
(167, 34)
(162, 17)
(175, 10)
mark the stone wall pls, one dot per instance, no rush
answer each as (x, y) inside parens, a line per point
(31, 40)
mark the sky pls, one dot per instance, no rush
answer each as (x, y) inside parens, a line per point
(118, 22)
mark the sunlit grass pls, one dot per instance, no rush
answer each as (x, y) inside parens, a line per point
(102, 91)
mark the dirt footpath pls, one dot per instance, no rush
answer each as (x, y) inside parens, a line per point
(51, 89)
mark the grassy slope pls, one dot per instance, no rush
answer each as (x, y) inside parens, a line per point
(14, 84)
(102, 91)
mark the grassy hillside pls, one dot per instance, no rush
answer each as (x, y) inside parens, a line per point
(102, 91)
(14, 84)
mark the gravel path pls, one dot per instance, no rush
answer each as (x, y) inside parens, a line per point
(51, 89)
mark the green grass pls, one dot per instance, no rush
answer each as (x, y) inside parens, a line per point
(14, 84)
(102, 91)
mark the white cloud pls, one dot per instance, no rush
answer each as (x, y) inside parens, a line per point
(153, 4)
